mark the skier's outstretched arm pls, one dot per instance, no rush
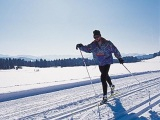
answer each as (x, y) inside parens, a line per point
(85, 48)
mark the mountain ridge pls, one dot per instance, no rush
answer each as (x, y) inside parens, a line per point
(54, 57)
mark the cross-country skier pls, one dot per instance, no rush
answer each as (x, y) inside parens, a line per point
(102, 50)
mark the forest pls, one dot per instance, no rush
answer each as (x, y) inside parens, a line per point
(14, 63)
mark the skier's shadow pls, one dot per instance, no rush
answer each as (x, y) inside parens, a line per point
(154, 115)
(121, 114)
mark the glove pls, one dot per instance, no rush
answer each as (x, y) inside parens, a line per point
(121, 61)
(78, 46)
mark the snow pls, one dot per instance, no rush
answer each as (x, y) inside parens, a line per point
(66, 93)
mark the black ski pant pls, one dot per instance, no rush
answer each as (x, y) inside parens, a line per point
(105, 77)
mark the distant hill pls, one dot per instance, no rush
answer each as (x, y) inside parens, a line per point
(4, 56)
(47, 57)
(25, 57)
(32, 61)
(145, 56)
(89, 56)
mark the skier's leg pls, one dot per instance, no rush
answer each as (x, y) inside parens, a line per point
(103, 79)
(107, 67)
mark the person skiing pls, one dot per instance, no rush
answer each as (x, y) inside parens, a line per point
(102, 50)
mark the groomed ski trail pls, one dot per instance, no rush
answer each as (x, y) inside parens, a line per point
(80, 102)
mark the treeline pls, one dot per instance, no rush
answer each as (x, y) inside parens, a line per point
(156, 54)
(11, 63)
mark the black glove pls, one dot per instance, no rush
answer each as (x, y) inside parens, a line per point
(78, 46)
(121, 61)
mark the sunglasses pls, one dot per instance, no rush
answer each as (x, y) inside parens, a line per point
(96, 36)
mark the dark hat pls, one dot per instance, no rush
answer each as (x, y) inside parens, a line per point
(96, 32)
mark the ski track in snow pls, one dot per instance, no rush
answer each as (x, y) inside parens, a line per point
(80, 103)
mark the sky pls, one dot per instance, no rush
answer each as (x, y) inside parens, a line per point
(54, 27)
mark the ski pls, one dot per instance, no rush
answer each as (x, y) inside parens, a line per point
(108, 98)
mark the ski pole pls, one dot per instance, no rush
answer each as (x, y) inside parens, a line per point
(138, 82)
(131, 73)
(91, 82)
(87, 72)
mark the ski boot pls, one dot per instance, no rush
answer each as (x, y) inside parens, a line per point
(112, 89)
(104, 100)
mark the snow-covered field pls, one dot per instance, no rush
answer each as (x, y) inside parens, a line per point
(66, 93)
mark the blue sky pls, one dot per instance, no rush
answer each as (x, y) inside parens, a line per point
(54, 27)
